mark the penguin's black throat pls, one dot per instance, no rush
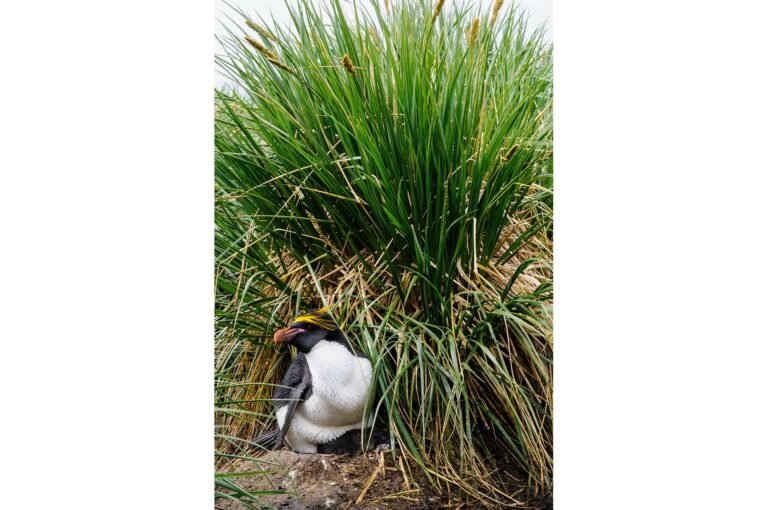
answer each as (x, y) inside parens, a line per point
(301, 335)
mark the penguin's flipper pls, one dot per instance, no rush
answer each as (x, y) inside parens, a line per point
(295, 387)
(296, 395)
(266, 441)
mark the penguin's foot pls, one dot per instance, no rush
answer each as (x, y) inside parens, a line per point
(349, 443)
(381, 440)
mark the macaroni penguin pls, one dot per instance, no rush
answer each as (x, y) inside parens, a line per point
(321, 400)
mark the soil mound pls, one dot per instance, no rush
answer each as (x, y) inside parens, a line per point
(367, 482)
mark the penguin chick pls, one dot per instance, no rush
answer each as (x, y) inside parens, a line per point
(323, 394)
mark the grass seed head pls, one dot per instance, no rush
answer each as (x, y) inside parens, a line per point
(347, 62)
(510, 153)
(438, 8)
(261, 30)
(271, 57)
(281, 65)
(496, 8)
(472, 35)
(260, 47)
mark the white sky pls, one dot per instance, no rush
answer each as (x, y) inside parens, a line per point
(540, 12)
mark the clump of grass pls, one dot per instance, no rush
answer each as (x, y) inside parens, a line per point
(415, 199)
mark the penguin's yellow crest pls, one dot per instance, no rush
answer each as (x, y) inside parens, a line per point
(320, 318)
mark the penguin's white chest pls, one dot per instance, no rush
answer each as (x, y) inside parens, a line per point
(340, 386)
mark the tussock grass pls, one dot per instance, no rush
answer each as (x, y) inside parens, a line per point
(395, 163)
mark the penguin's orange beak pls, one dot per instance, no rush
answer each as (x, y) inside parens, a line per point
(286, 334)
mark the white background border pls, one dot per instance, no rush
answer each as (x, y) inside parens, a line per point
(107, 221)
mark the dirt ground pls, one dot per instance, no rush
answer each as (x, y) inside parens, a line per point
(370, 481)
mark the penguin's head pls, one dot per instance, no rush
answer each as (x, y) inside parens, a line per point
(305, 331)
